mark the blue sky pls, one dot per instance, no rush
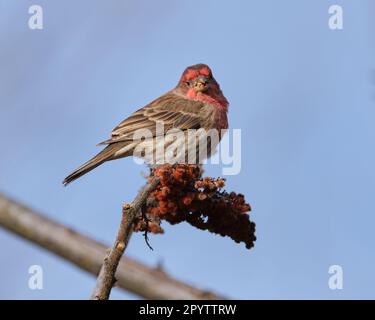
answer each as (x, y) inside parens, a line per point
(302, 94)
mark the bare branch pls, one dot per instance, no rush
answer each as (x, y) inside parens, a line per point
(88, 254)
(106, 278)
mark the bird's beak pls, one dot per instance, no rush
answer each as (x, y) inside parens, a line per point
(201, 84)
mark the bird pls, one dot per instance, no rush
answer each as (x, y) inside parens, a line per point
(196, 103)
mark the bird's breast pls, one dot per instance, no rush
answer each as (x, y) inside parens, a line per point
(214, 117)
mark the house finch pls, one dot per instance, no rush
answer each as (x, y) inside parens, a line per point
(195, 103)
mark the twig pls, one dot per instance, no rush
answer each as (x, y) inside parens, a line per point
(88, 254)
(145, 234)
(106, 277)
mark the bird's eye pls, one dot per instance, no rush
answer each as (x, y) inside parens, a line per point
(187, 83)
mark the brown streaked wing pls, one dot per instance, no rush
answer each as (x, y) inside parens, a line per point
(171, 110)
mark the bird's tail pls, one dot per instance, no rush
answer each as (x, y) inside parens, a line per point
(100, 158)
